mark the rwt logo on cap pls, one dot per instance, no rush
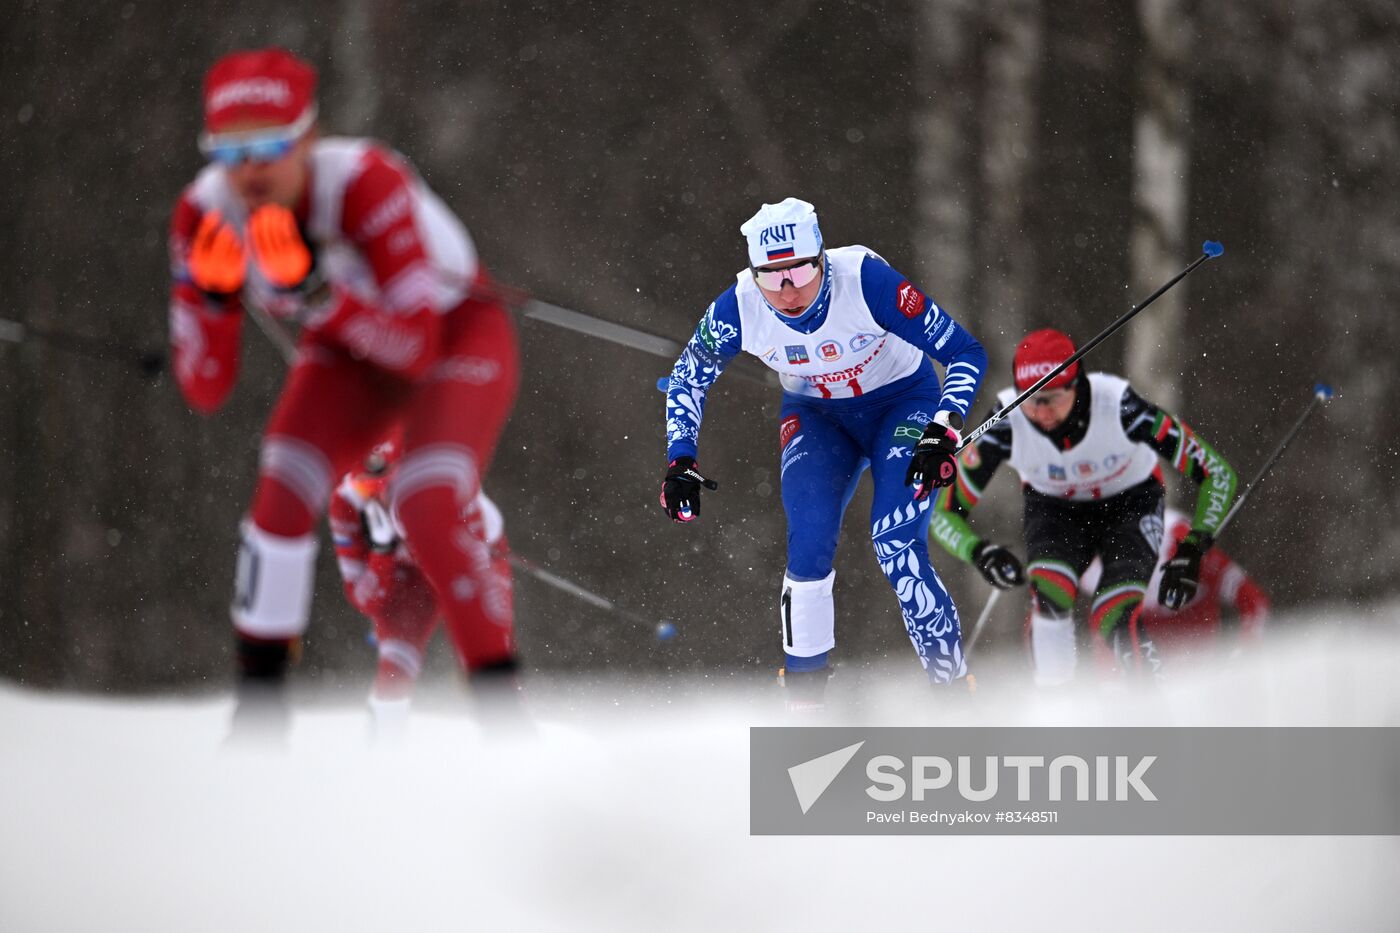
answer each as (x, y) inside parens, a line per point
(779, 234)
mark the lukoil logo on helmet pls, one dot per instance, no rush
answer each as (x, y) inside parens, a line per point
(1030, 372)
(251, 91)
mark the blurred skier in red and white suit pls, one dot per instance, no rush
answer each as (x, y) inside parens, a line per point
(398, 327)
(1196, 628)
(382, 579)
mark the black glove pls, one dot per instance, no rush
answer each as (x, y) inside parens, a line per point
(1182, 574)
(379, 527)
(932, 466)
(998, 565)
(680, 493)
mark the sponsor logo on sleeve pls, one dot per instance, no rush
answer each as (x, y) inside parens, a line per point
(789, 427)
(1151, 528)
(946, 334)
(909, 299)
(706, 333)
(909, 430)
(386, 213)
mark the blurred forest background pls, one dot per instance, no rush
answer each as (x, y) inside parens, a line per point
(1028, 163)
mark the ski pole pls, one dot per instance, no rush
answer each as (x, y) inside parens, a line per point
(981, 621)
(150, 362)
(1209, 250)
(664, 630)
(1321, 393)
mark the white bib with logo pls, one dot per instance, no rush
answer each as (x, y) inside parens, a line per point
(1105, 463)
(849, 355)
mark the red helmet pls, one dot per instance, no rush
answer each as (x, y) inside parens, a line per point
(267, 85)
(1038, 354)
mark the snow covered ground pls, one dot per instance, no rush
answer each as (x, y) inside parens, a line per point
(630, 811)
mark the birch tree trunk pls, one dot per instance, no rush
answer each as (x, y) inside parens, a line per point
(1156, 350)
(944, 139)
(1007, 117)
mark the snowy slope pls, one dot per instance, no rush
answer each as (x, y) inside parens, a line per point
(630, 811)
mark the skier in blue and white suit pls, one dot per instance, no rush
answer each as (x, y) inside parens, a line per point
(850, 339)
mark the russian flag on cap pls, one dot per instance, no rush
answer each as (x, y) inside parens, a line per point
(781, 252)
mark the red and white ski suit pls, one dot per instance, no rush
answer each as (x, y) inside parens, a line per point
(382, 579)
(412, 336)
(1196, 626)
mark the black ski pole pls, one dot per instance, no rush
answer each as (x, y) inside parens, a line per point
(1321, 393)
(149, 362)
(1209, 250)
(664, 630)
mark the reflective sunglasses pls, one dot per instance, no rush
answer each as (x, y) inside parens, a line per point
(231, 149)
(799, 275)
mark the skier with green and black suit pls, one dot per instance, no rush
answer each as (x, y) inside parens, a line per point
(1087, 449)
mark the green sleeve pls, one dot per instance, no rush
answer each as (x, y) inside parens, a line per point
(1188, 453)
(1217, 480)
(953, 504)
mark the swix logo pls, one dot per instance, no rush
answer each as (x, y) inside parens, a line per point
(782, 233)
(251, 91)
(909, 300)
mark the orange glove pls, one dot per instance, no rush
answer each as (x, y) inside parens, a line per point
(281, 254)
(216, 262)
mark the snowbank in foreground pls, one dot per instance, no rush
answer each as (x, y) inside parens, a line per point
(630, 811)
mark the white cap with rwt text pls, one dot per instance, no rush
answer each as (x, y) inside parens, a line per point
(781, 232)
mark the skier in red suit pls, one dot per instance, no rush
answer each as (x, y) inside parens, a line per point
(382, 579)
(1196, 627)
(398, 327)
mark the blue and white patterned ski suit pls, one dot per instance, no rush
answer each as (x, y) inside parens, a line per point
(858, 392)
